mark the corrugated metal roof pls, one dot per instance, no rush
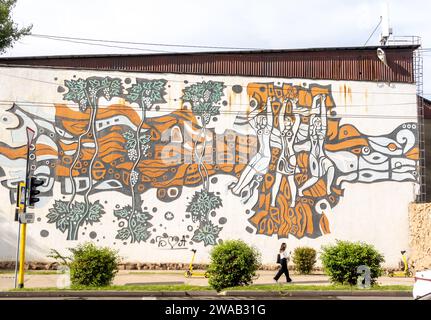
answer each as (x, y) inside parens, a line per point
(347, 63)
(427, 108)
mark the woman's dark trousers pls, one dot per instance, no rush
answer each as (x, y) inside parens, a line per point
(282, 270)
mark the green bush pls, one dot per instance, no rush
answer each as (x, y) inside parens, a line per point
(90, 265)
(233, 263)
(340, 261)
(304, 259)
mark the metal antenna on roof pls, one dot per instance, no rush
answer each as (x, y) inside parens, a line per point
(386, 29)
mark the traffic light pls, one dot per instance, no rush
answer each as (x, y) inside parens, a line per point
(34, 184)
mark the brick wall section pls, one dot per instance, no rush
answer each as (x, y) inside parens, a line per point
(420, 235)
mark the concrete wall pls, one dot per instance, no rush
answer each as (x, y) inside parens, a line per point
(427, 136)
(420, 236)
(266, 160)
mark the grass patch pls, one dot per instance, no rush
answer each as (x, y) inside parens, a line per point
(297, 287)
(155, 287)
(256, 287)
(31, 272)
(43, 272)
(156, 272)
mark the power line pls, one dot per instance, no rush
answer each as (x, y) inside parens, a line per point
(373, 31)
(106, 45)
(143, 43)
(54, 37)
(50, 104)
(221, 112)
(227, 85)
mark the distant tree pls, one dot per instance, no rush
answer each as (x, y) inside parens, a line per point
(9, 31)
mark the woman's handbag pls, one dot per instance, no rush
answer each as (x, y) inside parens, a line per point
(278, 258)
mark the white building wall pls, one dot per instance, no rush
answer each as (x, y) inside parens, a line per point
(374, 212)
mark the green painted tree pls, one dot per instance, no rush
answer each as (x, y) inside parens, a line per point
(145, 93)
(204, 99)
(86, 93)
(9, 31)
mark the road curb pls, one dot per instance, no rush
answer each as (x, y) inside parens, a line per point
(113, 294)
(203, 293)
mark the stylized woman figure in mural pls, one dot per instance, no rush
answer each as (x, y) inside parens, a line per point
(287, 162)
(261, 122)
(319, 163)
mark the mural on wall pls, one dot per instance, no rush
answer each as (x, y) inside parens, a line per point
(290, 171)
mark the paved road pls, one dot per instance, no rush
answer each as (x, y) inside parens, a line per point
(217, 298)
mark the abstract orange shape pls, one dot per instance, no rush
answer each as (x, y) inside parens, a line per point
(324, 224)
(413, 153)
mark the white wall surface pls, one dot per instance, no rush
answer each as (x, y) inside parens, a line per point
(375, 213)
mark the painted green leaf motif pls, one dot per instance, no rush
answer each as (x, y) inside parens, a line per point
(58, 210)
(147, 92)
(204, 98)
(215, 202)
(61, 207)
(207, 233)
(77, 93)
(132, 97)
(77, 211)
(130, 144)
(95, 212)
(144, 149)
(134, 92)
(72, 217)
(202, 203)
(141, 233)
(143, 217)
(115, 86)
(94, 83)
(52, 215)
(144, 139)
(155, 95)
(122, 213)
(137, 223)
(123, 234)
(62, 224)
(128, 135)
(205, 92)
(86, 92)
(198, 211)
(133, 223)
(104, 87)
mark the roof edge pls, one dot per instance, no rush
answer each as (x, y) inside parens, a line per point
(269, 51)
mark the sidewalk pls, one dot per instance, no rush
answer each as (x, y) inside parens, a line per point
(126, 277)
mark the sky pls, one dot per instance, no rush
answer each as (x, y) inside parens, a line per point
(269, 24)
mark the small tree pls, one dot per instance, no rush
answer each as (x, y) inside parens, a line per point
(9, 31)
(90, 265)
(233, 263)
(304, 259)
(341, 261)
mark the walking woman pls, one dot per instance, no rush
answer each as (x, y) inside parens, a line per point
(284, 259)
